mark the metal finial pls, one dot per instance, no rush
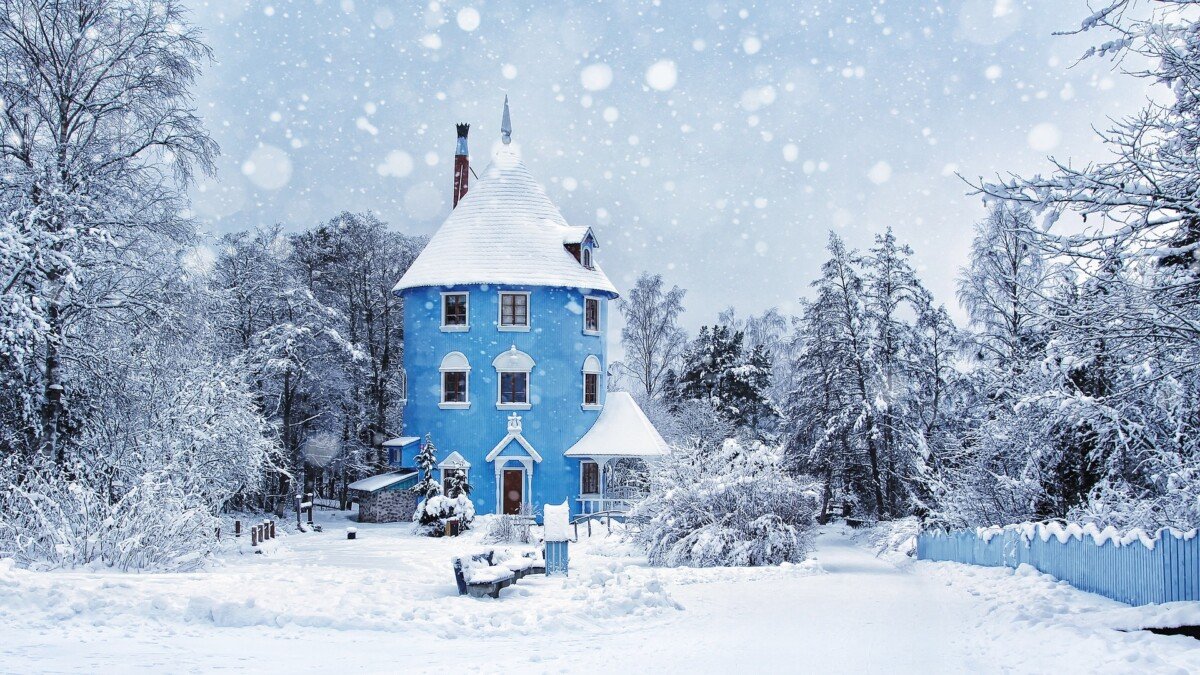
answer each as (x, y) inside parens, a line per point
(506, 124)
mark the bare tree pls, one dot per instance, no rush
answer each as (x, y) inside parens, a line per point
(652, 337)
(99, 138)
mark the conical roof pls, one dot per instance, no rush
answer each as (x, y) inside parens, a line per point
(505, 231)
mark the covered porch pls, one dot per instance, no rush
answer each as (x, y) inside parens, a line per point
(610, 452)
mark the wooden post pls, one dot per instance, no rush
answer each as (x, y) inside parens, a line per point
(310, 507)
(272, 529)
(237, 528)
(254, 536)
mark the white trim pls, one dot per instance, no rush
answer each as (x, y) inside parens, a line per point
(585, 256)
(591, 406)
(514, 434)
(599, 312)
(454, 461)
(513, 360)
(455, 328)
(592, 365)
(518, 405)
(455, 361)
(599, 477)
(454, 405)
(526, 481)
(515, 328)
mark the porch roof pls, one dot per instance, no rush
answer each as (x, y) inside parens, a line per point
(401, 442)
(622, 430)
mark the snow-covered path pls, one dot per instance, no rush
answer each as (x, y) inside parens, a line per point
(386, 603)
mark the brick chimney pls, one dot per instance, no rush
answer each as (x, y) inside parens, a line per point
(462, 165)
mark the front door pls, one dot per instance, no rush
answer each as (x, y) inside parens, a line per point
(514, 487)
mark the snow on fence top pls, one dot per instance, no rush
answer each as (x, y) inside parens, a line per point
(1065, 531)
(505, 231)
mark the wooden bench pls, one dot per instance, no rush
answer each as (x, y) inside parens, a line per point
(496, 576)
(478, 587)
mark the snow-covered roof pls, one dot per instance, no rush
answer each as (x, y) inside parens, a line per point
(376, 483)
(505, 231)
(400, 442)
(621, 430)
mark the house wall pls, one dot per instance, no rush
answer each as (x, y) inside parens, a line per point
(558, 345)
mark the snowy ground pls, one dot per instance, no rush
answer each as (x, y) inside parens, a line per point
(387, 603)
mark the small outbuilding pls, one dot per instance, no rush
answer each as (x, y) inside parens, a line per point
(386, 498)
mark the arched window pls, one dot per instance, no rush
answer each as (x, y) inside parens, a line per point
(587, 257)
(456, 375)
(591, 382)
(513, 368)
(402, 386)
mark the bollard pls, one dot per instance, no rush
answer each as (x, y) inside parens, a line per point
(237, 528)
(351, 533)
(272, 529)
(253, 537)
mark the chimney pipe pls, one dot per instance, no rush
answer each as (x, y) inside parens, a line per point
(462, 164)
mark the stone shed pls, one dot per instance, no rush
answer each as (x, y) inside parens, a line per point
(386, 498)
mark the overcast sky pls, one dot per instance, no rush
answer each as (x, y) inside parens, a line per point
(715, 143)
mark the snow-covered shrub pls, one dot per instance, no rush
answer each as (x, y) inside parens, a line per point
(509, 528)
(173, 435)
(433, 512)
(730, 506)
(56, 521)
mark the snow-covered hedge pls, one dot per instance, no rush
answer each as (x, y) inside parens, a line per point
(731, 506)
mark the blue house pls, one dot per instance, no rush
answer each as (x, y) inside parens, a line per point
(506, 316)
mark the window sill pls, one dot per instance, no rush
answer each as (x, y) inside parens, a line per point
(454, 406)
(455, 329)
(513, 406)
(591, 332)
(513, 329)
(591, 406)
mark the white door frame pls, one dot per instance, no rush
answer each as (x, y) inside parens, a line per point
(525, 466)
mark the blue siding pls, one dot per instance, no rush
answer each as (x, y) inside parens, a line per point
(558, 345)
(1131, 573)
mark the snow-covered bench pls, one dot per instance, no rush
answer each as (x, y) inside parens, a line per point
(477, 576)
(486, 573)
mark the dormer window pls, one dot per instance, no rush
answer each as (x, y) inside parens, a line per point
(514, 311)
(455, 311)
(587, 257)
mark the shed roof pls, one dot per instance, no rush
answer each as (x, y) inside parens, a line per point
(381, 481)
(621, 430)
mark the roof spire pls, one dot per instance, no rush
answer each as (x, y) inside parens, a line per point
(506, 124)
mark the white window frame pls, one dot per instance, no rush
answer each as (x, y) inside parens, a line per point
(442, 370)
(500, 312)
(585, 256)
(450, 328)
(599, 314)
(528, 393)
(599, 482)
(595, 370)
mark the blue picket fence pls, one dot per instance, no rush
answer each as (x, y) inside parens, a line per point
(1165, 568)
